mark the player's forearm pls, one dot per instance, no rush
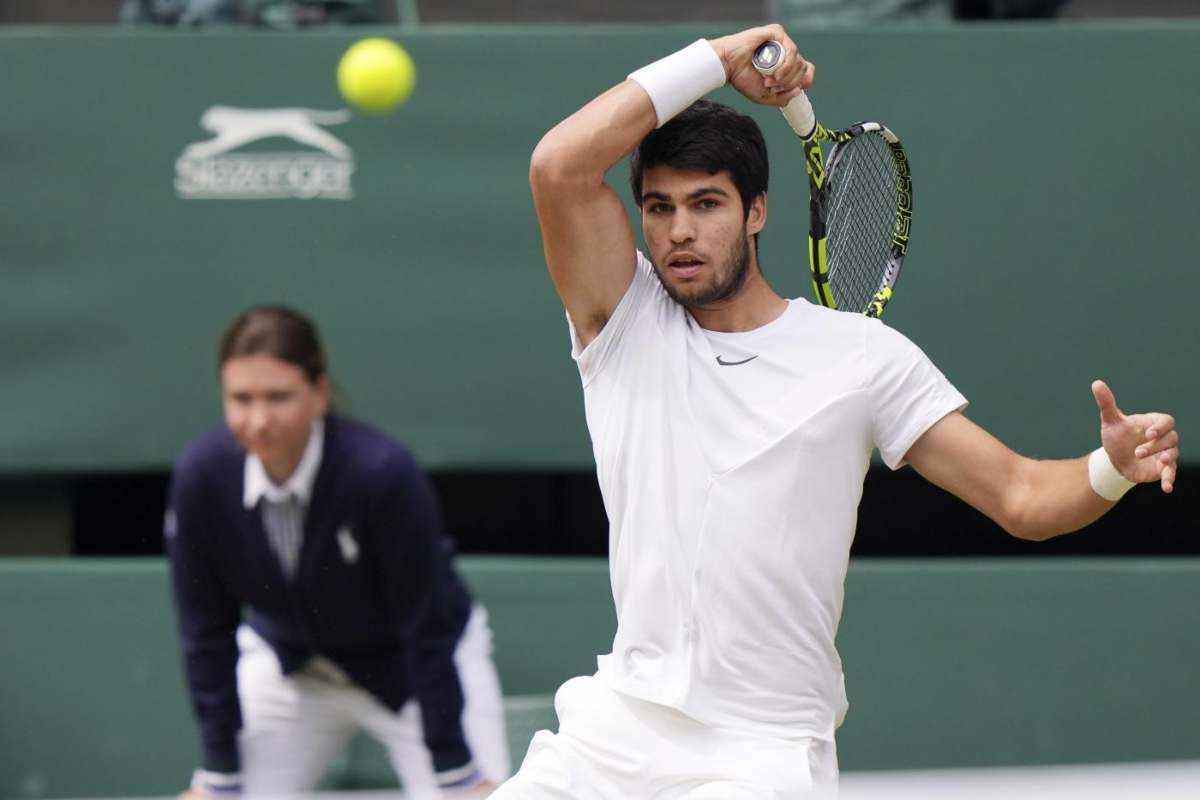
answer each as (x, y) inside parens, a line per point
(1050, 498)
(579, 150)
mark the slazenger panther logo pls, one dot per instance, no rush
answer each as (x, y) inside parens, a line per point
(208, 170)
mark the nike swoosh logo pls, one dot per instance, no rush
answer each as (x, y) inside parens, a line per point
(734, 363)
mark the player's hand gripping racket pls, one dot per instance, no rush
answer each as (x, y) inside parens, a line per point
(860, 203)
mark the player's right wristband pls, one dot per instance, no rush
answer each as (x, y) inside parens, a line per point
(224, 784)
(680, 79)
(1106, 480)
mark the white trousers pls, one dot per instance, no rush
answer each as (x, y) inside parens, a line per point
(294, 726)
(610, 746)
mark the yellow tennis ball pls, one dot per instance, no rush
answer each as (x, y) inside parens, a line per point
(376, 75)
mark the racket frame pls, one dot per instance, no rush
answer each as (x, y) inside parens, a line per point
(767, 58)
(819, 172)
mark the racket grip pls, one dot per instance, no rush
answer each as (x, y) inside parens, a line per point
(767, 58)
(799, 114)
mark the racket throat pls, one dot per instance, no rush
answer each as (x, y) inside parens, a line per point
(818, 261)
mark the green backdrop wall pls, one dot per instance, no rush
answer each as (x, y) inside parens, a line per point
(948, 664)
(1053, 238)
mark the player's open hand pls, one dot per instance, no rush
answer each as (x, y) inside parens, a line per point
(1144, 447)
(736, 52)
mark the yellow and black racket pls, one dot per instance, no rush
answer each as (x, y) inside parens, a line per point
(860, 203)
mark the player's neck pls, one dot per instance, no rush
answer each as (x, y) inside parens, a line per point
(755, 304)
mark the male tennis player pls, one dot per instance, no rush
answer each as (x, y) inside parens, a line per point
(732, 429)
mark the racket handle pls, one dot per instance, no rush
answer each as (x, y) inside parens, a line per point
(799, 114)
(768, 57)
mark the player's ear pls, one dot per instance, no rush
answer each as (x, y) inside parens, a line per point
(324, 395)
(756, 220)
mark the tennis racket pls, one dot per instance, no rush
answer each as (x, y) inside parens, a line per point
(860, 203)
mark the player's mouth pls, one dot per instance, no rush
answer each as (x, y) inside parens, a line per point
(684, 265)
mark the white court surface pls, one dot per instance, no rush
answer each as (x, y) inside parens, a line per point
(1177, 780)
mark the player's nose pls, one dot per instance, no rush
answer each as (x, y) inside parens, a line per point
(683, 227)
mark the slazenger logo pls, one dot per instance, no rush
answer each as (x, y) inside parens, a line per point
(208, 170)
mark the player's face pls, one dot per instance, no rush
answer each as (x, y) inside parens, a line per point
(698, 238)
(270, 406)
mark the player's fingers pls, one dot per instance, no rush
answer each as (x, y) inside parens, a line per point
(783, 99)
(780, 100)
(1157, 444)
(1106, 402)
(795, 70)
(1161, 425)
(1170, 460)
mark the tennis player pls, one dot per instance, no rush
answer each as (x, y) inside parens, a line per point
(732, 429)
(315, 592)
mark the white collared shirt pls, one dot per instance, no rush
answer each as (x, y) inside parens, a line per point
(257, 484)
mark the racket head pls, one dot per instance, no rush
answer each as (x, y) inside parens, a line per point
(861, 219)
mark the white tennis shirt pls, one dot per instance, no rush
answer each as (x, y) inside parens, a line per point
(732, 492)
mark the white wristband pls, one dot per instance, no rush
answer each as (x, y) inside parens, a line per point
(680, 79)
(1106, 480)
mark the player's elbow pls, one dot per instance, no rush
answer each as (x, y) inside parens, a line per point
(548, 165)
(1020, 513)
(555, 166)
(1027, 529)
(1013, 512)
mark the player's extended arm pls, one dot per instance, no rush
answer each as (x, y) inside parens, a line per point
(587, 237)
(1034, 499)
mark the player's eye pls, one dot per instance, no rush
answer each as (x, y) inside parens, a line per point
(278, 397)
(708, 203)
(661, 208)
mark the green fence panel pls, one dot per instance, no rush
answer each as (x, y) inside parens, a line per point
(1053, 235)
(951, 663)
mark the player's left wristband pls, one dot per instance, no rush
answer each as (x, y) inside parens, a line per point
(1105, 479)
(675, 82)
(222, 784)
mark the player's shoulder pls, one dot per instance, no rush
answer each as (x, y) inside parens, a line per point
(845, 322)
(646, 283)
(365, 450)
(826, 326)
(647, 298)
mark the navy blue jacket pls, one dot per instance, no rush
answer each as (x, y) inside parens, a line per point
(389, 617)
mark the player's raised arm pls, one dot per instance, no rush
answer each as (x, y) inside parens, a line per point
(1034, 499)
(587, 237)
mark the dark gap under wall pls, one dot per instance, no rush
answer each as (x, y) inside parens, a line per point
(561, 513)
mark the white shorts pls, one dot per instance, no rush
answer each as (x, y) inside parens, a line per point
(294, 726)
(610, 746)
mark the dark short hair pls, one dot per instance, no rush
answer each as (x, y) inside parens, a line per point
(708, 137)
(279, 332)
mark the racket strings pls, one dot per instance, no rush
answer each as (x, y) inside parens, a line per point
(860, 219)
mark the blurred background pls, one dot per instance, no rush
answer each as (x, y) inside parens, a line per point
(1046, 254)
(1054, 235)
